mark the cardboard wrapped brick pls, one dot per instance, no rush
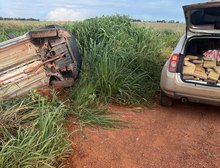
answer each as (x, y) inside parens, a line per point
(188, 63)
(200, 72)
(217, 69)
(191, 57)
(197, 61)
(201, 75)
(189, 70)
(209, 69)
(209, 64)
(213, 75)
(208, 59)
(200, 68)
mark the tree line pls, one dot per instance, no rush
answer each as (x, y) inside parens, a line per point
(156, 21)
(22, 19)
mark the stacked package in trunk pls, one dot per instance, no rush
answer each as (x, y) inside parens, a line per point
(205, 68)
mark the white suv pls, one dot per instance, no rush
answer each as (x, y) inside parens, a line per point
(193, 69)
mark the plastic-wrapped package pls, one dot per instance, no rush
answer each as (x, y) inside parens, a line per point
(212, 54)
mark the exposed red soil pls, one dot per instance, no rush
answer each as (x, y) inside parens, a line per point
(48, 92)
(185, 135)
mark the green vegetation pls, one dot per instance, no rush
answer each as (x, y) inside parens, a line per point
(122, 62)
(177, 27)
(32, 132)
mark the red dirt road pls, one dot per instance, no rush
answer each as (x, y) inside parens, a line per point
(181, 136)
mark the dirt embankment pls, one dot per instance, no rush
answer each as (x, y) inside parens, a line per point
(180, 136)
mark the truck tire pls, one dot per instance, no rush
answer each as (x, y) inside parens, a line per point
(165, 100)
(76, 54)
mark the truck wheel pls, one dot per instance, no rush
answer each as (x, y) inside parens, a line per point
(165, 100)
(76, 54)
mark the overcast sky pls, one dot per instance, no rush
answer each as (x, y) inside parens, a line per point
(81, 9)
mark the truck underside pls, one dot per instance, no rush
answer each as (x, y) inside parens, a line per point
(46, 56)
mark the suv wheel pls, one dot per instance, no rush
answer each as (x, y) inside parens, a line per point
(165, 100)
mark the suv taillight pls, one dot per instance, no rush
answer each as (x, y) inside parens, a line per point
(173, 62)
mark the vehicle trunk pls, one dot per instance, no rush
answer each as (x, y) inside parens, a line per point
(200, 63)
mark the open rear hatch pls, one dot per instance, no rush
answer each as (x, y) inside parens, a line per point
(203, 18)
(201, 62)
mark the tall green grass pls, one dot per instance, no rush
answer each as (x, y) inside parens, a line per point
(122, 61)
(32, 133)
(20, 27)
(18, 30)
(121, 64)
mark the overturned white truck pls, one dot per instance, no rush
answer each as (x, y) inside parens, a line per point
(46, 56)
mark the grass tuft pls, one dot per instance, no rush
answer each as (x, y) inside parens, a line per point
(32, 133)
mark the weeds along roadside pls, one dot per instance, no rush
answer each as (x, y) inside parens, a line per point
(121, 64)
(32, 132)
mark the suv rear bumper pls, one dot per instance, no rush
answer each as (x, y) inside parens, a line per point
(174, 87)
